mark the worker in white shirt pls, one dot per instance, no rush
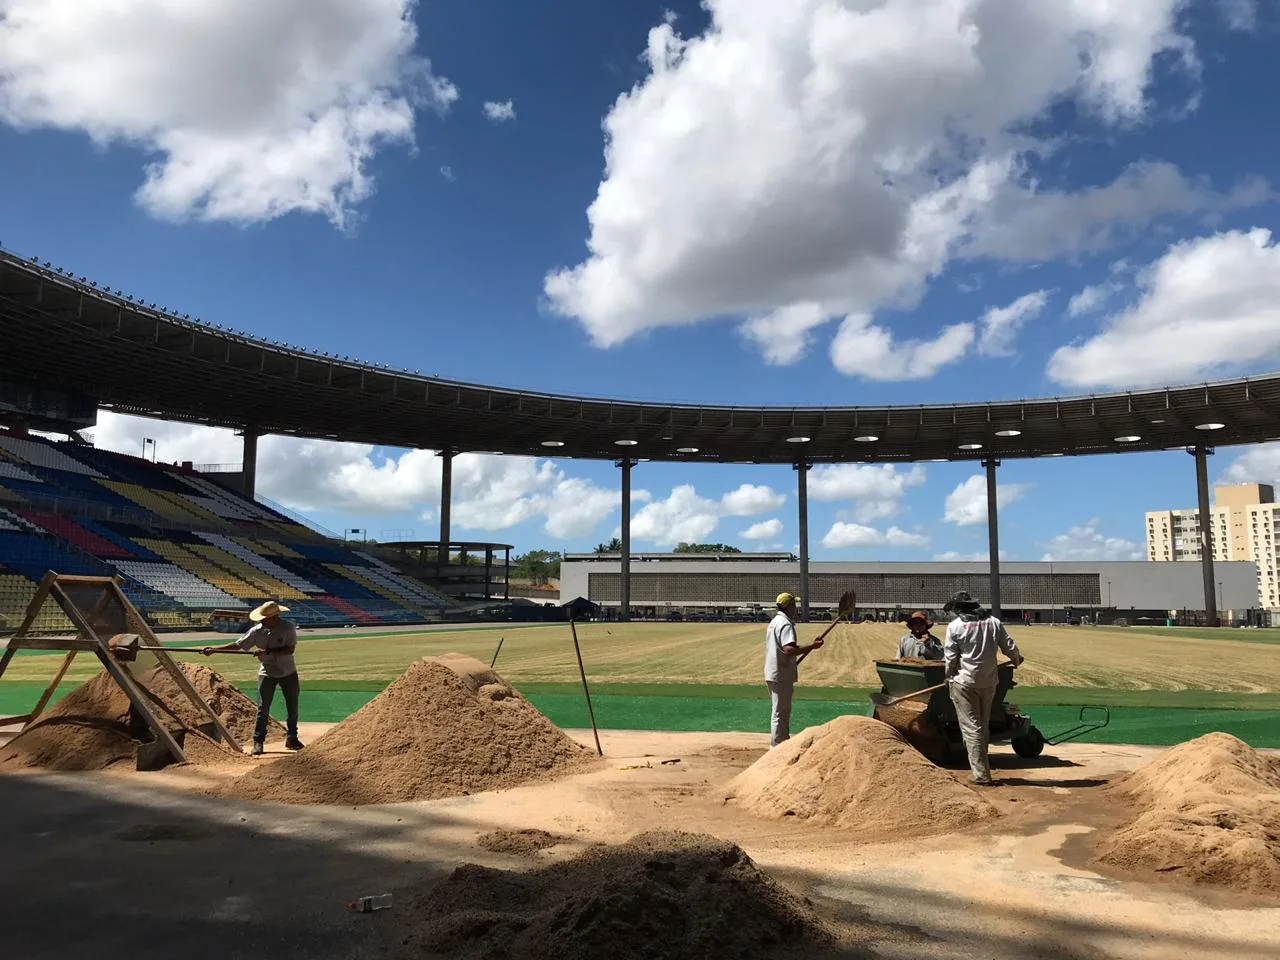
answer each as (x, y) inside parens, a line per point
(782, 656)
(973, 641)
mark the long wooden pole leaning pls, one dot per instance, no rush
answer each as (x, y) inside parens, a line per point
(585, 692)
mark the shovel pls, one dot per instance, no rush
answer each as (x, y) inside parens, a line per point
(880, 700)
(844, 611)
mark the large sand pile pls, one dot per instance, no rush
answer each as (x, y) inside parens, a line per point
(1208, 811)
(447, 727)
(856, 773)
(93, 727)
(662, 895)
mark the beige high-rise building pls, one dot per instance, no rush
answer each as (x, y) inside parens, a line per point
(1242, 526)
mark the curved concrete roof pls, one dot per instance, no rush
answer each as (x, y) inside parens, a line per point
(66, 332)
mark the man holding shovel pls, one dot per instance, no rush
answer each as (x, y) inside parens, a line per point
(782, 656)
(274, 639)
(974, 639)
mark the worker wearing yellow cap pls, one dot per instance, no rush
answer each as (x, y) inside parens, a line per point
(782, 656)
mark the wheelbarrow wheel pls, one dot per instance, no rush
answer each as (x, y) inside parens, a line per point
(1030, 744)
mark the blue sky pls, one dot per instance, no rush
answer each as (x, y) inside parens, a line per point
(803, 204)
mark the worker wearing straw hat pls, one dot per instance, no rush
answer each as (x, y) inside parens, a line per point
(274, 639)
(919, 643)
(973, 642)
(782, 656)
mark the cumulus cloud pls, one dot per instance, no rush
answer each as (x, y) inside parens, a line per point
(863, 349)
(1086, 542)
(247, 110)
(1259, 464)
(966, 505)
(875, 490)
(816, 159)
(1239, 14)
(499, 112)
(764, 530)
(1091, 298)
(489, 492)
(1000, 325)
(1208, 305)
(846, 535)
(682, 517)
(751, 499)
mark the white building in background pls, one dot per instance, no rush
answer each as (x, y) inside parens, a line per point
(1242, 526)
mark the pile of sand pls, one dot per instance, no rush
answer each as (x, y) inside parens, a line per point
(447, 727)
(93, 727)
(661, 895)
(1208, 812)
(520, 842)
(857, 773)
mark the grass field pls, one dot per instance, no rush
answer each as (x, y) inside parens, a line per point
(707, 676)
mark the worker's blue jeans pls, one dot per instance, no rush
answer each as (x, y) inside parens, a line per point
(266, 693)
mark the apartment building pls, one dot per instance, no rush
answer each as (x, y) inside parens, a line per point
(1242, 526)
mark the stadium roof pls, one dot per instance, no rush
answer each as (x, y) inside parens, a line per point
(64, 332)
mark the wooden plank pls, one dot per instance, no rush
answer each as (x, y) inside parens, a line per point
(118, 673)
(75, 579)
(37, 601)
(175, 672)
(57, 679)
(52, 643)
(9, 721)
(4, 660)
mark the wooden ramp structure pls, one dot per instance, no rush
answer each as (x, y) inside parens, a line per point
(100, 611)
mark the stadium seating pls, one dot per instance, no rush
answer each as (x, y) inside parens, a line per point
(181, 544)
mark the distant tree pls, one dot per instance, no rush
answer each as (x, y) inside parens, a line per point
(613, 546)
(705, 548)
(538, 566)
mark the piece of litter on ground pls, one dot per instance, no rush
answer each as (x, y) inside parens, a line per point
(673, 760)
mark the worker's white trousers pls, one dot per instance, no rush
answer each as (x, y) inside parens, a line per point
(973, 709)
(780, 721)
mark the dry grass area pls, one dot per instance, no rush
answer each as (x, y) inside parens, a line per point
(663, 653)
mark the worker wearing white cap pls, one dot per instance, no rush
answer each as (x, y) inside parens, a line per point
(274, 639)
(782, 656)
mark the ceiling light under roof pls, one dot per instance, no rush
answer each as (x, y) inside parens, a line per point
(1130, 438)
(1053, 454)
(686, 449)
(869, 438)
(1210, 426)
(625, 443)
(970, 446)
(798, 439)
(1009, 433)
(553, 443)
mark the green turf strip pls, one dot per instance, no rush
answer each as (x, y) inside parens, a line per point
(1157, 725)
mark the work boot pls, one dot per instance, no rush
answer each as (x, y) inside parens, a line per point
(256, 749)
(293, 743)
(982, 781)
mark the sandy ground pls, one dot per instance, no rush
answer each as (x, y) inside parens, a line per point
(144, 865)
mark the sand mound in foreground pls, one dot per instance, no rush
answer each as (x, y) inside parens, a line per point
(1208, 812)
(856, 773)
(521, 842)
(92, 727)
(447, 727)
(661, 895)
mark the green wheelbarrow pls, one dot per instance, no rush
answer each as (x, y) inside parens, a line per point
(931, 725)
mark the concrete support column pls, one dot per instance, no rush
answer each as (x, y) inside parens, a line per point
(993, 535)
(249, 462)
(506, 578)
(488, 570)
(624, 606)
(1201, 453)
(446, 501)
(802, 501)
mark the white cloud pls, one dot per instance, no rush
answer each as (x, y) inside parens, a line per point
(764, 530)
(247, 110)
(681, 517)
(966, 505)
(499, 111)
(447, 172)
(1091, 298)
(489, 492)
(863, 349)
(846, 535)
(955, 556)
(1000, 325)
(1259, 464)
(876, 490)
(1086, 542)
(1239, 14)
(784, 335)
(820, 159)
(1208, 305)
(751, 499)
